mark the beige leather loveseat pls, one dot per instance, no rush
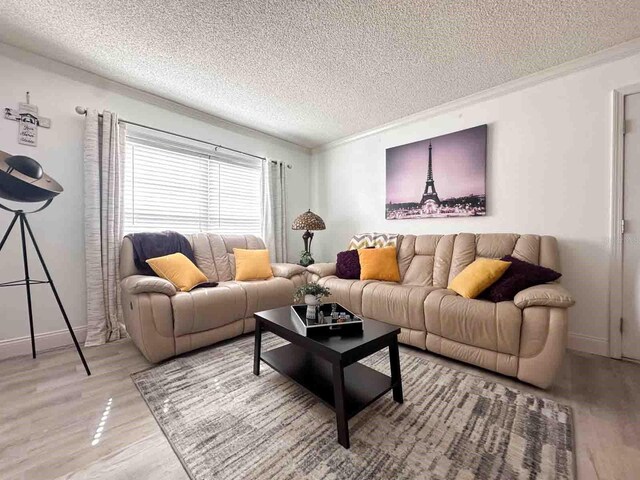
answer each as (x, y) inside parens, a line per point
(524, 338)
(164, 322)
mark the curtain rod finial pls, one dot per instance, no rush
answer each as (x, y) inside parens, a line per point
(81, 110)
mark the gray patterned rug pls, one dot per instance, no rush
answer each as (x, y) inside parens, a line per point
(224, 422)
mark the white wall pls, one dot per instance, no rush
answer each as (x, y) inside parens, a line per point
(548, 172)
(56, 89)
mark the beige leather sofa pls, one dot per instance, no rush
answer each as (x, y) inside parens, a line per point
(525, 338)
(164, 322)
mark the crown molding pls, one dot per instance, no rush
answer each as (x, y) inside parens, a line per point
(608, 55)
(84, 76)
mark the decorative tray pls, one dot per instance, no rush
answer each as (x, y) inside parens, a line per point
(323, 324)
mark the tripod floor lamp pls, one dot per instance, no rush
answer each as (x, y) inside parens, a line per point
(23, 180)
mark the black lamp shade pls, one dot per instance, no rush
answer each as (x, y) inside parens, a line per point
(22, 179)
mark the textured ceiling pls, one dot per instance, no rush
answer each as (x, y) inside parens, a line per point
(315, 71)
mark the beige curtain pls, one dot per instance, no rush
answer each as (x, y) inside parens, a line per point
(274, 211)
(104, 151)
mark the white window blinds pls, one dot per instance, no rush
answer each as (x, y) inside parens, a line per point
(172, 188)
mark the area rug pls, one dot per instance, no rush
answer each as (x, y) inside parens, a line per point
(224, 422)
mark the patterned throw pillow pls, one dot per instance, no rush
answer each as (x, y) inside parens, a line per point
(376, 240)
(348, 265)
(519, 276)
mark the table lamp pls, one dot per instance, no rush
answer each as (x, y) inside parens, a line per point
(308, 221)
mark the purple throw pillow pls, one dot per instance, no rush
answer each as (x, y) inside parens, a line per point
(519, 275)
(348, 265)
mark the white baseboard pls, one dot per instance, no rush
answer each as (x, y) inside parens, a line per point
(61, 338)
(588, 344)
(14, 347)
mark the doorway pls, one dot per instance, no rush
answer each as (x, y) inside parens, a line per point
(630, 328)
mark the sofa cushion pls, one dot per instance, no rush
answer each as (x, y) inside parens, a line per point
(206, 308)
(348, 265)
(266, 294)
(527, 248)
(484, 324)
(420, 271)
(347, 293)
(211, 256)
(503, 363)
(495, 245)
(425, 260)
(214, 253)
(519, 275)
(401, 305)
(463, 253)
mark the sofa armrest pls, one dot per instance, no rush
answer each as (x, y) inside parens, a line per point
(543, 341)
(286, 270)
(136, 284)
(322, 269)
(547, 295)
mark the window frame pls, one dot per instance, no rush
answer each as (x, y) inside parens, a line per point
(213, 158)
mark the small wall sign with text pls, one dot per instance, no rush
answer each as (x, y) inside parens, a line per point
(28, 122)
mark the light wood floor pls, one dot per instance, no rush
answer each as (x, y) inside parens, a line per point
(50, 413)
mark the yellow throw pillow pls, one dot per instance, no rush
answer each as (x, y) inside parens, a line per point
(379, 264)
(252, 264)
(179, 270)
(478, 276)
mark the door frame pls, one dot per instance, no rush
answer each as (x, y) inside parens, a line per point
(617, 216)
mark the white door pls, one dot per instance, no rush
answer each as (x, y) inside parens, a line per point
(631, 239)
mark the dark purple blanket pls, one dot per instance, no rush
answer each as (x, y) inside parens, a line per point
(158, 244)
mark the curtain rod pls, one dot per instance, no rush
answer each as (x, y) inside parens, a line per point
(83, 111)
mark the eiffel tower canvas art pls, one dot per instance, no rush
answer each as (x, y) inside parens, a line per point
(456, 161)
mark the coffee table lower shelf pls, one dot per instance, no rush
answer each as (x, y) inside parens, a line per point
(363, 385)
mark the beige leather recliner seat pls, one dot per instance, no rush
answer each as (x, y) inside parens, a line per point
(525, 338)
(164, 322)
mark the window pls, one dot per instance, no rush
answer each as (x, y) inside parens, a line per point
(170, 187)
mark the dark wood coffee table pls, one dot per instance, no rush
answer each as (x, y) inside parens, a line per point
(328, 367)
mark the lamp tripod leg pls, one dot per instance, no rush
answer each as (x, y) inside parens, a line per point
(11, 225)
(27, 281)
(57, 297)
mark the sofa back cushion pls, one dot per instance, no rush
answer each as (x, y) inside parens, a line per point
(435, 260)
(424, 260)
(214, 253)
(536, 249)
